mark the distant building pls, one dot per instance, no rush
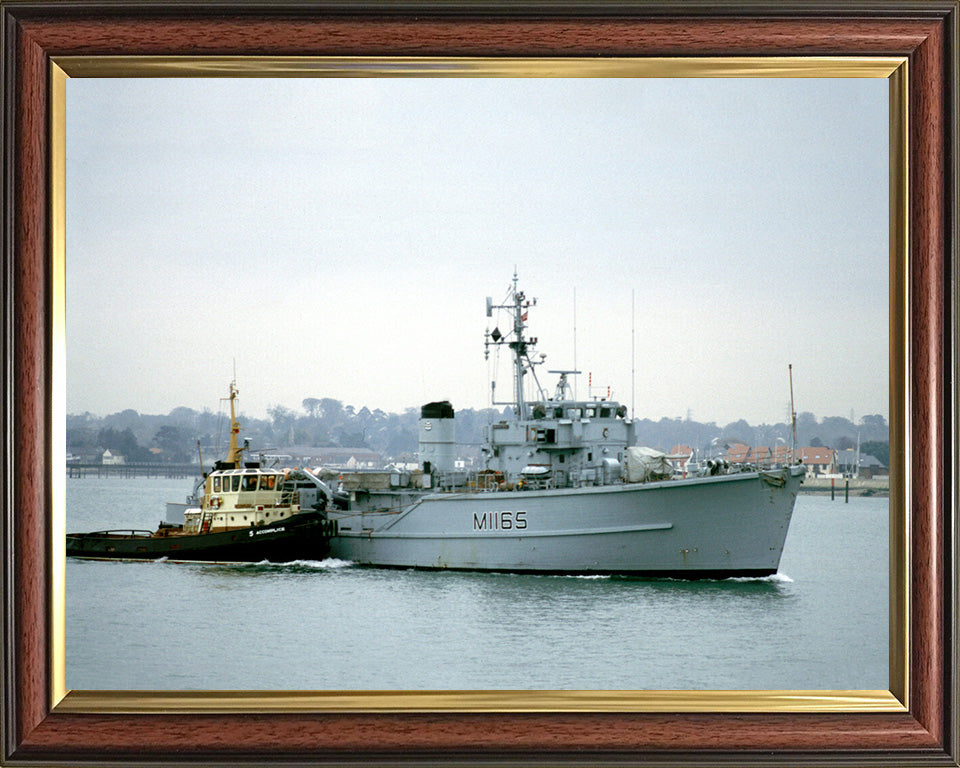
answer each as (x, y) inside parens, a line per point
(782, 454)
(759, 455)
(110, 458)
(334, 457)
(737, 453)
(867, 466)
(680, 457)
(819, 461)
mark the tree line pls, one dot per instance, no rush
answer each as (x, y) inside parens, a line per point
(327, 422)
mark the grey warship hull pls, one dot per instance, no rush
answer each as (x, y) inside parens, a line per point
(706, 527)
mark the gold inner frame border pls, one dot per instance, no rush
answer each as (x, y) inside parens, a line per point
(894, 69)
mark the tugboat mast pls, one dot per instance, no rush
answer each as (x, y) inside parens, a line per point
(233, 455)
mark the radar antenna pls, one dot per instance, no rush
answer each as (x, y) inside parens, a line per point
(564, 390)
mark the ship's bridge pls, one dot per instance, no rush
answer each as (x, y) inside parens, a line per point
(577, 409)
(564, 443)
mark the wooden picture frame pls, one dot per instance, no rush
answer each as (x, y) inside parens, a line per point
(36, 730)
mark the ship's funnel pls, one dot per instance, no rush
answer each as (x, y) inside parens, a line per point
(438, 437)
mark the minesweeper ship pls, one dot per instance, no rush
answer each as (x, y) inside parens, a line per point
(564, 490)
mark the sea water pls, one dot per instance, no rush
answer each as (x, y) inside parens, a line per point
(820, 623)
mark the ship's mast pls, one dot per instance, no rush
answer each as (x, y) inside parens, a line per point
(518, 306)
(519, 347)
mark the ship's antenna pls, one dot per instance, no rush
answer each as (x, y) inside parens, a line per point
(575, 340)
(633, 355)
(793, 419)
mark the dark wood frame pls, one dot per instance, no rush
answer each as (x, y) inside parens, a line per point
(925, 32)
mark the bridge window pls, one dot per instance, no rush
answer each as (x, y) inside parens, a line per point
(269, 482)
(216, 485)
(236, 483)
(249, 482)
(604, 413)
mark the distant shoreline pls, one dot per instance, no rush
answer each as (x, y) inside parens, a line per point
(876, 486)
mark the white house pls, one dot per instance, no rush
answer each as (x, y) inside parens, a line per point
(109, 458)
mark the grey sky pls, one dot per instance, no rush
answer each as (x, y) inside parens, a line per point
(337, 237)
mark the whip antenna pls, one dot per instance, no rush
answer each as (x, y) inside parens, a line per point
(793, 418)
(633, 355)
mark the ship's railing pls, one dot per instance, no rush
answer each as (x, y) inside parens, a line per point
(289, 494)
(486, 481)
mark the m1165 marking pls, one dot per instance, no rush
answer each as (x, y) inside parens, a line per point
(505, 520)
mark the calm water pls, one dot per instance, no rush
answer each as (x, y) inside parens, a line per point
(820, 623)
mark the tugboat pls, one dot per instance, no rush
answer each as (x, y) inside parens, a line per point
(243, 513)
(564, 489)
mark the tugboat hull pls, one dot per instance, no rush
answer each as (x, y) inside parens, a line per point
(305, 536)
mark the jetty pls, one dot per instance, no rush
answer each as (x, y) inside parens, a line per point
(158, 469)
(840, 487)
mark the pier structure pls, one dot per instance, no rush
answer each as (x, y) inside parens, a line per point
(132, 470)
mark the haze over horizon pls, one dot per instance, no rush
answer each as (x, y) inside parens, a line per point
(243, 413)
(337, 238)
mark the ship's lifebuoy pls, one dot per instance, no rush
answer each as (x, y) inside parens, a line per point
(606, 432)
(214, 503)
